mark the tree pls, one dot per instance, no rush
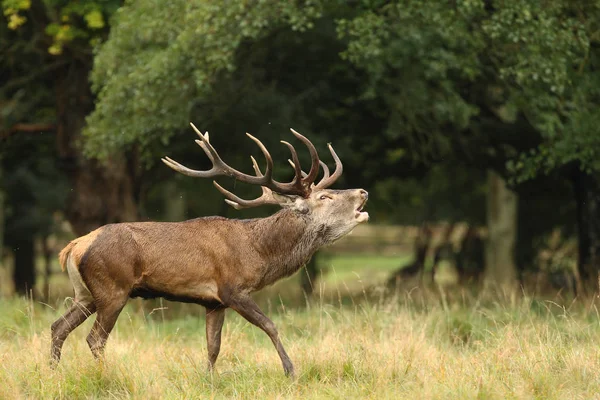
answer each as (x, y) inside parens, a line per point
(46, 59)
(238, 67)
(502, 226)
(162, 61)
(480, 62)
(481, 82)
(46, 54)
(35, 189)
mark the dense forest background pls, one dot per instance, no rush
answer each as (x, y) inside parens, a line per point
(476, 111)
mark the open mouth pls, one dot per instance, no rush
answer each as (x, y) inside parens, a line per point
(359, 213)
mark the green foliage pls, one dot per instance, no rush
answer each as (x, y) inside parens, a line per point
(163, 58)
(418, 55)
(12, 10)
(68, 20)
(441, 66)
(446, 192)
(32, 56)
(35, 189)
(579, 139)
(437, 68)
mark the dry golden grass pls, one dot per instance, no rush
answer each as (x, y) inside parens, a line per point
(407, 346)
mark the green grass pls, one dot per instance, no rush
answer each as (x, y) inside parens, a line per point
(353, 344)
(365, 267)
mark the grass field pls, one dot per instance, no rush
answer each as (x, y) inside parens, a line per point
(349, 342)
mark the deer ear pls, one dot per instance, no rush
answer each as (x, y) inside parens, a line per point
(291, 201)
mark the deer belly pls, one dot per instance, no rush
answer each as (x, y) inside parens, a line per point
(204, 293)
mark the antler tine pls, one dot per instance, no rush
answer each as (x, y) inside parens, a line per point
(296, 164)
(269, 171)
(205, 149)
(329, 180)
(265, 189)
(203, 146)
(206, 146)
(314, 156)
(238, 203)
(321, 163)
(325, 170)
(177, 167)
(255, 166)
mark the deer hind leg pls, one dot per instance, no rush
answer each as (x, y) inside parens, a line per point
(63, 326)
(108, 312)
(214, 325)
(247, 308)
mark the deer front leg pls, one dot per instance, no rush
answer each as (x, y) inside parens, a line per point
(214, 324)
(247, 308)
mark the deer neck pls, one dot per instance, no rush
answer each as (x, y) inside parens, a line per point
(286, 241)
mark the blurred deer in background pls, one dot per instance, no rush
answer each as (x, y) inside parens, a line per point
(212, 261)
(444, 251)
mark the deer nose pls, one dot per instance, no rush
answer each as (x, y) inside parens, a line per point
(363, 193)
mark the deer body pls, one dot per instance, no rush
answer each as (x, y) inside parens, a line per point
(182, 259)
(212, 261)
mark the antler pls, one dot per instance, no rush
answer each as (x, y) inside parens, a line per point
(339, 168)
(302, 184)
(219, 167)
(327, 180)
(238, 203)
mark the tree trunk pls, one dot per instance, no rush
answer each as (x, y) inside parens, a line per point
(587, 196)
(502, 232)
(100, 193)
(24, 272)
(100, 196)
(47, 253)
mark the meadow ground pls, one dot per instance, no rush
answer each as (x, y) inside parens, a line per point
(349, 342)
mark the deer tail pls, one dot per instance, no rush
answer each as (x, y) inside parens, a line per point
(64, 254)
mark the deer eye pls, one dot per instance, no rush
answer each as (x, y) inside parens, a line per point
(324, 196)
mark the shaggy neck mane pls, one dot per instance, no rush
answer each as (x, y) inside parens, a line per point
(287, 239)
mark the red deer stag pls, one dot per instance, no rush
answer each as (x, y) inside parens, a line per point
(213, 261)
